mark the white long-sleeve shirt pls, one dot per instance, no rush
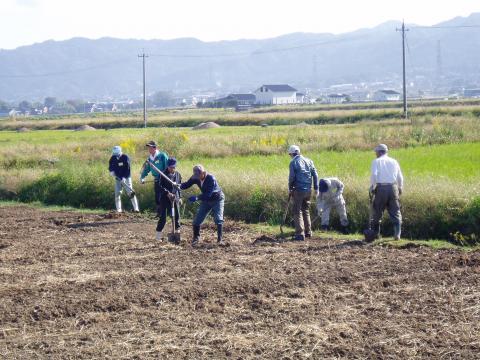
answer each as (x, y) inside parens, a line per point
(386, 170)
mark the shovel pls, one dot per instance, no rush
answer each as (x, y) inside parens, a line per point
(128, 189)
(173, 237)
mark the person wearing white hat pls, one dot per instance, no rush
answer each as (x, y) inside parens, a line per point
(119, 167)
(301, 177)
(386, 186)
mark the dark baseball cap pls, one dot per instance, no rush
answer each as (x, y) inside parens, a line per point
(151, 144)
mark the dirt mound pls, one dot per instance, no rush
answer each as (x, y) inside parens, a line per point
(23, 129)
(302, 124)
(207, 125)
(85, 128)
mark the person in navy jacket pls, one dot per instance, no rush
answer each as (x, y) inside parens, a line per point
(211, 199)
(119, 167)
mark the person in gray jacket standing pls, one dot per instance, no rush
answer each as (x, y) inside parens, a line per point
(300, 180)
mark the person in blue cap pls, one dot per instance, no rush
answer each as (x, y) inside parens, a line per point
(119, 167)
(169, 196)
(211, 199)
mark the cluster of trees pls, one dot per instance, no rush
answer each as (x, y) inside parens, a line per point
(51, 105)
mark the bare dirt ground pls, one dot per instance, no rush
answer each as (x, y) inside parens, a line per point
(86, 286)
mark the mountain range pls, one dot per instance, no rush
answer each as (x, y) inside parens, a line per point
(447, 53)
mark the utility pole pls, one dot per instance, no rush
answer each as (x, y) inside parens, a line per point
(144, 56)
(403, 30)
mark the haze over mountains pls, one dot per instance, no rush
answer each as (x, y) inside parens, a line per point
(88, 69)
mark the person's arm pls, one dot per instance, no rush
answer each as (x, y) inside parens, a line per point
(291, 177)
(145, 170)
(111, 167)
(188, 184)
(208, 187)
(315, 177)
(399, 179)
(373, 176)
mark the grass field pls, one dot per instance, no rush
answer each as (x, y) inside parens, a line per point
(439, 156)
(289, 115)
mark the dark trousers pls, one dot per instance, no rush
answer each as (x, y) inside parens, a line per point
(386, 197)
(164, 210)
(158, 192)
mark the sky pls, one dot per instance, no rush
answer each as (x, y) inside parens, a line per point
(24, 22)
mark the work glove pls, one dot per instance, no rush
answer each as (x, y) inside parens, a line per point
(192, 198)
(142, 181)
(112, 173)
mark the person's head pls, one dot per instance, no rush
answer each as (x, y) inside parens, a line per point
(381, 150)
(117, 151)
(324, 185)
(293, 150)
(171, 165)
(152, 147)
(199, 172)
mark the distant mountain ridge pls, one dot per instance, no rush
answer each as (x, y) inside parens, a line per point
(108, 67)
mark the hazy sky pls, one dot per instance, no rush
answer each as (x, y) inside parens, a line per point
(24, 22)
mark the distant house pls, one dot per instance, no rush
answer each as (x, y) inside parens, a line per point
(386, 95)
(276, 95)
(234, 100)
(301, 98)
(471, 93)
(337, 98)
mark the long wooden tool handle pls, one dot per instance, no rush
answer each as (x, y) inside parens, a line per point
(162, 174)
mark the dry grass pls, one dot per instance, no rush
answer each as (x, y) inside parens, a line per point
(90, 286)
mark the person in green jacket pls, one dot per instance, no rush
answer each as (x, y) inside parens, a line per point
(159, 159)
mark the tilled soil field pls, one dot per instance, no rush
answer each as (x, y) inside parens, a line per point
(87, 286)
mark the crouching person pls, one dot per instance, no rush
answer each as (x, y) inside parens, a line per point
(331, 196)
(169, 197)
(211, 199)
(119, 167)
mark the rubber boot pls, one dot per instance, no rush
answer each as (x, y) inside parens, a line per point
(220, 235)
(135, 204)
(196, 235)
(118, 203)
(345, 230)
(324, 227)
(397, 231)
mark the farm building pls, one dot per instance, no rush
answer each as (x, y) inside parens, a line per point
(235, 100)
(276, 95)
(337, 98)
(386, 95)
